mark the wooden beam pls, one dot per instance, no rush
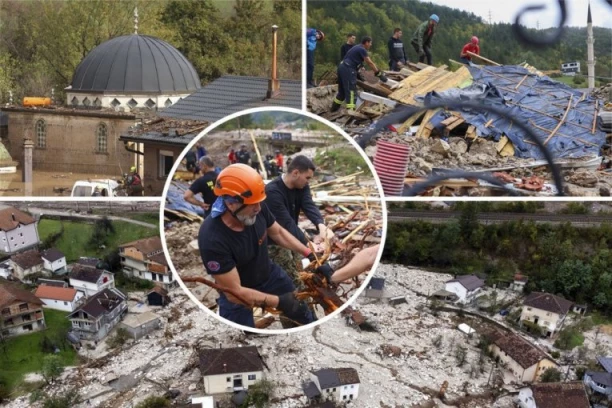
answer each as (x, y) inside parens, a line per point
(410, 121)
(569, 105)
(261, 162)
(558, 133)
(430, 113)
(483, 58)
(545, 114)
(455, 124)
(595, 116)
(521, 83)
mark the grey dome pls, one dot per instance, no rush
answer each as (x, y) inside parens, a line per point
(135, 63)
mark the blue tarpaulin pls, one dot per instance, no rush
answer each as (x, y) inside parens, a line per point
(175, 200)
(537, 101)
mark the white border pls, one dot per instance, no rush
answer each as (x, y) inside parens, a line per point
(192, 296)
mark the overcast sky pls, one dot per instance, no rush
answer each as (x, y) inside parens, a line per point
(505, 11)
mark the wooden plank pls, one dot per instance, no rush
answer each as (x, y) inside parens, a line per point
(430, 113)
(374, 88)
(569, 105)
(521, 83)
(483, 58)
(449, 120)
(366, 96)
(261, 162)
(488, 123)
(560, 134)
(504, 147)
(595, 116)
(471, 132)
(410, 121)
(439, 80)
(455, 124)
(406, 72)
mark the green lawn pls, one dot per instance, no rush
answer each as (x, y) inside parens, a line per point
(76, 235)
(600, 318)
(23, 353)
(151, 218)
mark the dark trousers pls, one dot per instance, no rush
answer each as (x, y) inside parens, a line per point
(309, 66)
(277, 284)
(393, 64)
(427, 50)
(347, 86)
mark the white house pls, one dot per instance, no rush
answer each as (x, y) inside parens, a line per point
(465, 287)
(66, 299)
(90, 280)
(553, 395)
(230, 369)
(545, 310)
(522, 358)
(17, 231)
(340, 384)
(26, 263)
(145, 259)
(203, 402)
(54, 261)
(519, 283)
(95, 318)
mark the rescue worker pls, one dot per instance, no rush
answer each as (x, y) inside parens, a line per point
(279, 160)
(472, 47)
(204, 185)
(134, 183)
(288, 196)
(423, 38)
(233, 244)
(313, 36)
(231, 157)
(242, 155)
(397, 53)
(347, 74)
(350, 43)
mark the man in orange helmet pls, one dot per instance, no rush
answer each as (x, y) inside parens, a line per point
(233, 244)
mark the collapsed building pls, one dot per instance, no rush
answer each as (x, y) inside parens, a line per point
(503, 124)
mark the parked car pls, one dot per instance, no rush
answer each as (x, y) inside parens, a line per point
(98, 188)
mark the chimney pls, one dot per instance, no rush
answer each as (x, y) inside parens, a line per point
(273, 82)
(13, 215)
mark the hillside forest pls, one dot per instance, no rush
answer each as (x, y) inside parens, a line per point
(497, 41)
(575, 263)
(43, 41)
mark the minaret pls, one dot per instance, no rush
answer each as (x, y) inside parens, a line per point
(590, 51)
(136, 20)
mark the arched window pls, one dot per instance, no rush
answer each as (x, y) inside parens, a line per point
(102, 138)
(41, 133)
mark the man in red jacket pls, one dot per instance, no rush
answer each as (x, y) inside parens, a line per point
(472, 47)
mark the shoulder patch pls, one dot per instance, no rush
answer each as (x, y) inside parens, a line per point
(213, 266)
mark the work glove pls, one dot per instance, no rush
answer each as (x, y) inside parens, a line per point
(326, 271)
(381, 76)
(293, 308)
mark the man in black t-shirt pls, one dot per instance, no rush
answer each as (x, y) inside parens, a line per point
(233, 244)
(203, 185)
(243, 155)
(350, 43)
(347, 74)
(397, 53)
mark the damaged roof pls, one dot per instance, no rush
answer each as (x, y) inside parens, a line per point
(230, 94)
(230, 360)
(520, 350)
(166, 131)
(560, 395)
(548, 302)
(470, 282)
(86, 273)
(102, 303)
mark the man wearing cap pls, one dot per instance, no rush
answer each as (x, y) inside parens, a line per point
(233, 244)
(242, 155)
(134, 183)
(472, 47)
(423, 38)
(203, 185)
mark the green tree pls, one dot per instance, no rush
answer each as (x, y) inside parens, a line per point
(551, 375)
(154, 402)
(259, 394)
(51, 368)
(69, 399)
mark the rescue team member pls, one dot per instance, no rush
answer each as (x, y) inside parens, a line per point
(203, 185)
(472, 47)
(279, 160)
(233, 244)
(134, 183)
(242, 155)
(397, 53)
(423, 38)
(347, 74)
(313, 36)
(350, 43)
(361, 262)
(231, 157)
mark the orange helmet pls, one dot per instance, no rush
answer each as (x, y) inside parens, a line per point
(241, 182)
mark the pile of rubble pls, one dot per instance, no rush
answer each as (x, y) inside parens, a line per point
(564, 119)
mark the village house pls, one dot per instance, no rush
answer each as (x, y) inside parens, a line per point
(140, 324)
(65, 299)
(52, 282)
(546, 310)
(230, 369)
(526, 361)
(20, 311)
(18, 231)
(465, 287)
(600, 382)
(54, 261)
(99, 314)
(90, 280)
(553, 395)
(27, 263)
(340, 384)
(145, 259)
